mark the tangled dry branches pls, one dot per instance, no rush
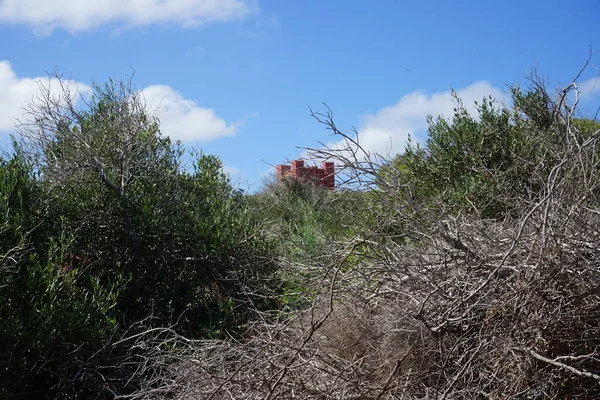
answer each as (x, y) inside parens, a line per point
(457, 308)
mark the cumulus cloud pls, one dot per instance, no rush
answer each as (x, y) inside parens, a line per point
(386, 132)
(16, 93)
(78, 16)
(180, 118)
(183, 119)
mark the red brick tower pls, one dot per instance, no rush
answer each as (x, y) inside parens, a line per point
(322, 177)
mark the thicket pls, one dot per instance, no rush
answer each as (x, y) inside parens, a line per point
(472, 271)
(465, 267)
(108, 238)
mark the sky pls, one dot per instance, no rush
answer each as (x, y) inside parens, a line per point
(237, 78)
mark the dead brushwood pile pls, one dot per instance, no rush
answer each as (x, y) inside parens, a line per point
(456, 307)
(513, 317)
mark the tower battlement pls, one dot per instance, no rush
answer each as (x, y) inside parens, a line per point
(323, 176)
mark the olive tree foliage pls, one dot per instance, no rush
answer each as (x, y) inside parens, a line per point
(53, 319)
(110, 138)
(493, 162)
(182, 236)
(107, 244)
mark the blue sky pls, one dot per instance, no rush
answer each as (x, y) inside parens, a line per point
(235, 78)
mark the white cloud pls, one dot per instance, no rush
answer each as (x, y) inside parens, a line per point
(183, 119)
(16, 93)
(590, 87)
(386, 132)
(180, 118)
(81, 15)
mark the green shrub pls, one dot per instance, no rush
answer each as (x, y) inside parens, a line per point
(489, 163)
(53, 318)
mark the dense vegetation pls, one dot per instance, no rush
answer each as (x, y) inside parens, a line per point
(105, 234)
(466, 267)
